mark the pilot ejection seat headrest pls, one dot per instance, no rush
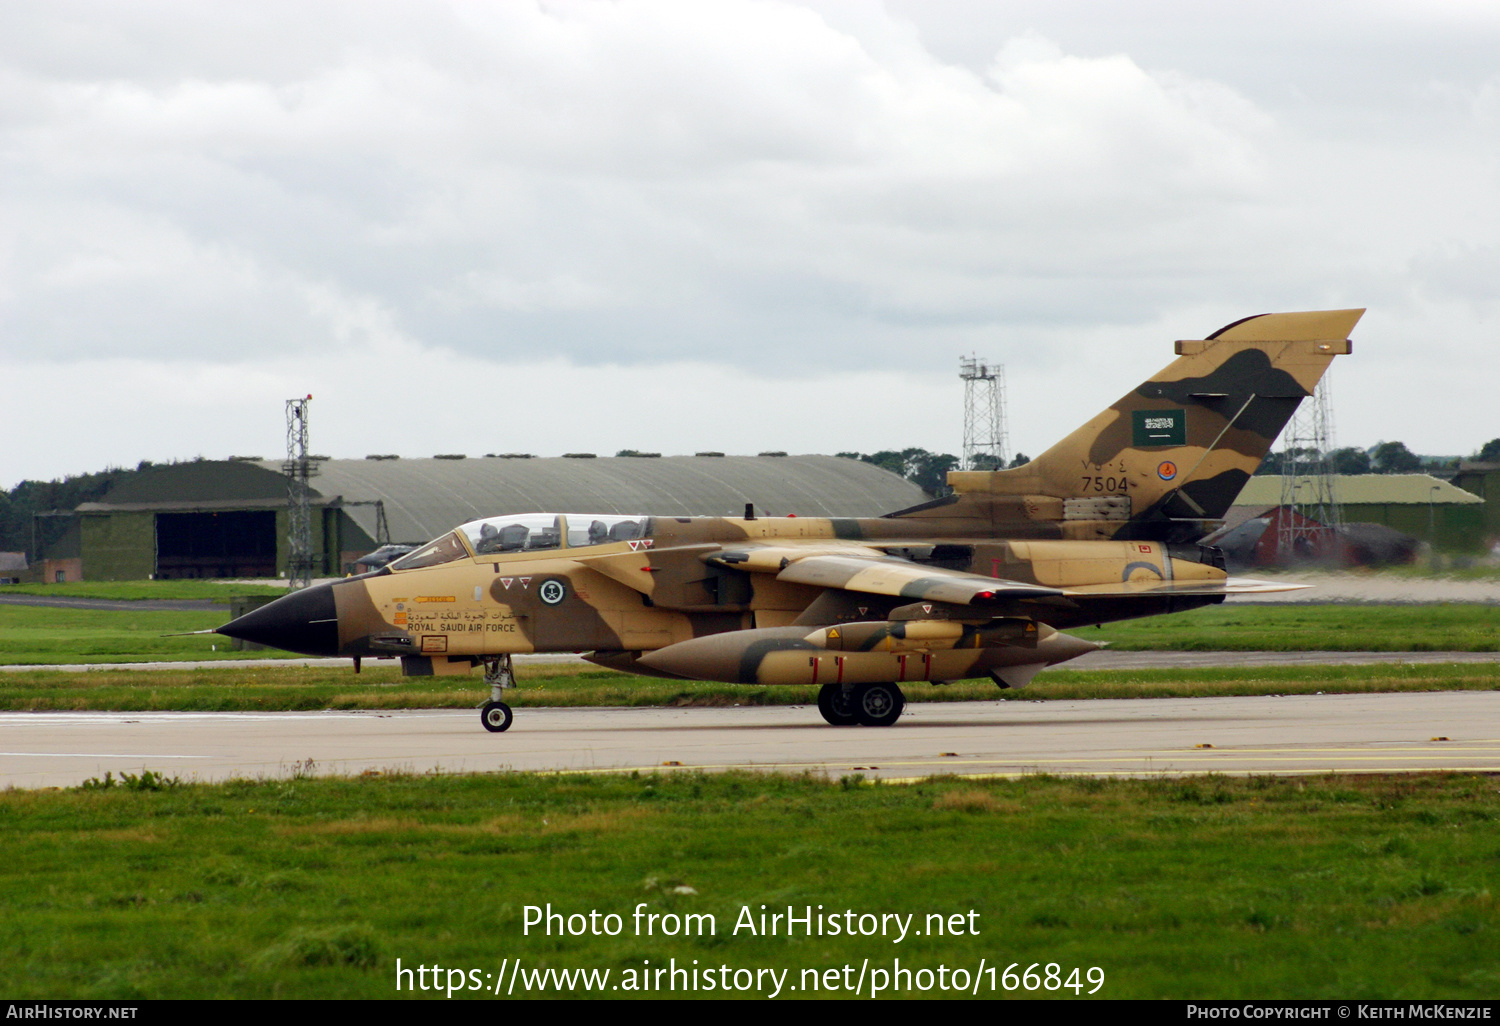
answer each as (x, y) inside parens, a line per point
(625, 530)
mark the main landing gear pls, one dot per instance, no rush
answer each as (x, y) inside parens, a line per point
(872, 705)
(498, 674)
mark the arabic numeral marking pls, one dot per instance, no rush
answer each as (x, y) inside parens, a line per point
(1092, 971)
(1075, 982)
(1028, 976)
(1053, 979)
(1008, 979)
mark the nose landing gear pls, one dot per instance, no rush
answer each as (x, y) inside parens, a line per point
(496, 716)
(499, 675)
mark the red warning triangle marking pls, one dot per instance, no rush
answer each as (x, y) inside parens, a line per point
(507, 581)
(525, 581)
(926, 608)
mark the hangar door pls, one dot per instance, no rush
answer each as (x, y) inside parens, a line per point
(233, 543)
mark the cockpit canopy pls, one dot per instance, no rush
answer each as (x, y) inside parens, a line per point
(526, 532)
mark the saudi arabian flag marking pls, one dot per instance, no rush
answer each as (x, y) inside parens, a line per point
(1159, 427)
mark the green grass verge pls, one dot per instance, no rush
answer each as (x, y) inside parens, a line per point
(1209, 887)
(44, 635)
(212, 591)
(251, 689)
(1454, 568)
(1447, 627)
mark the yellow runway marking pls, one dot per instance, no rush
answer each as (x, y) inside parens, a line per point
(1471, 746)
(1016, 774)
(1167, 756)
(1310, 772)
(960, 765)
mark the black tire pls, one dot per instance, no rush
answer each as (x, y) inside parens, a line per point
(495, 716)
(878, 705)
(836, 705)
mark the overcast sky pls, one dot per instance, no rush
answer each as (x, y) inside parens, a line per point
(730, 225)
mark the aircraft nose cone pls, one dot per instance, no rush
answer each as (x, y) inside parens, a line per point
(304, 621)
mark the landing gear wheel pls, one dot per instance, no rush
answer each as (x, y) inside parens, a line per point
(495, 716)
(878, 705)
(836, 705)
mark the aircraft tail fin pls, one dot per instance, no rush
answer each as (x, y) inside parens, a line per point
(1174, 452)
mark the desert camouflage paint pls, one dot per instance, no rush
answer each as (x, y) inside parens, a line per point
(1102, 526)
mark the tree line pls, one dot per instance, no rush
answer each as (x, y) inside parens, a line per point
(1381, 458)
(22, 531)
(927, 470)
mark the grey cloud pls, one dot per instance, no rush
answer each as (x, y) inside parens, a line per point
(603, 181)
(790, 189)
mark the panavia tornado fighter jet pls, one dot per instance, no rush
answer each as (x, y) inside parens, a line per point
(1103, 526)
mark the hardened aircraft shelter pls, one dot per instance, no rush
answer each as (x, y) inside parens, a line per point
(214, 518)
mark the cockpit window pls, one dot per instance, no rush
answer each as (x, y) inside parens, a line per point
(442, 550)
(529, 532)
(603, 528)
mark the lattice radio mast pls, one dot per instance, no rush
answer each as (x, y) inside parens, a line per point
(1308, 483)
(986, 440)
(298, 468)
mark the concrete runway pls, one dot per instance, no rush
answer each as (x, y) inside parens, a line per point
(1141, 737)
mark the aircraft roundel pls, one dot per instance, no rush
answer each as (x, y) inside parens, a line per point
(552, 591)
(1166, 470)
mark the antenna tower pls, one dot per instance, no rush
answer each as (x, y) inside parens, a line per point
(298, 468)
(1307, 480)
(986, 440)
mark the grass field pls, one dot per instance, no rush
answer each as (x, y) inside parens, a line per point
(1454, 568)
(1449, 627)
(314, 887)
(1205, 887)
(259, 689)
(212, 591)
(45, 635)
